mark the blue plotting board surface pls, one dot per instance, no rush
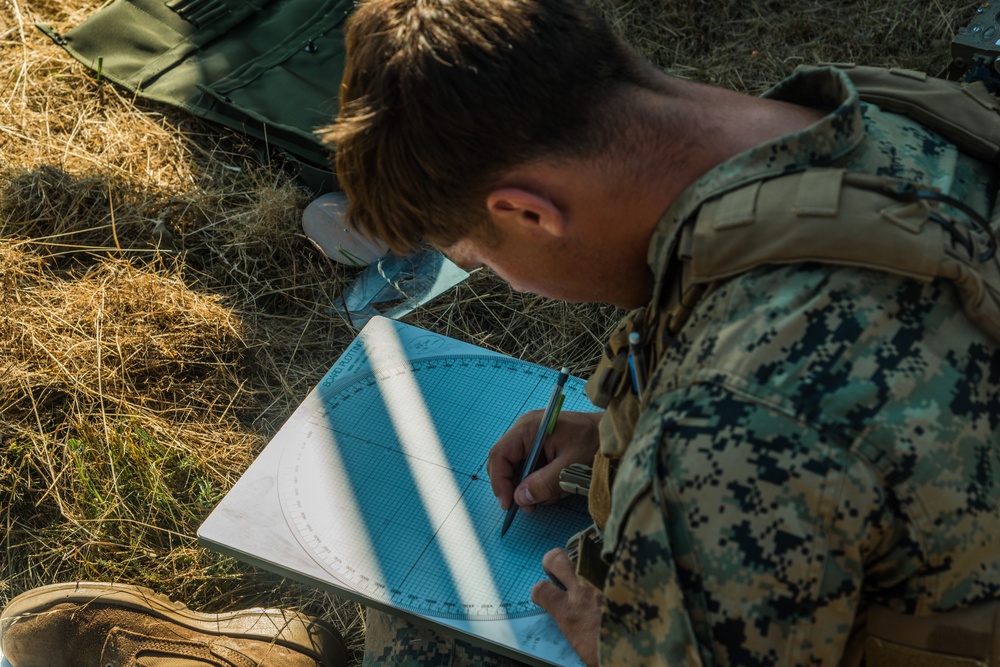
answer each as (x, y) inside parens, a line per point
(378, 483)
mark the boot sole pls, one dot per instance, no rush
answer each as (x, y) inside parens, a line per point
(312, 637)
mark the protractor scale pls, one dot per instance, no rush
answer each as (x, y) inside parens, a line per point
(387, 488)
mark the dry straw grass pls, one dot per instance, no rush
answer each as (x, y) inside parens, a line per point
(161, 314)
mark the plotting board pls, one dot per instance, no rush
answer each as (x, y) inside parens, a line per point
(427, 534)
(376, 488)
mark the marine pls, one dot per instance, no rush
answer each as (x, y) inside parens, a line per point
(813, 461)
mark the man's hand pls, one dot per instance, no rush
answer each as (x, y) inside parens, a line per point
(573, 603)
(574, 440)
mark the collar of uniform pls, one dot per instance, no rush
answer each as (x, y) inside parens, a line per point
(823, 143)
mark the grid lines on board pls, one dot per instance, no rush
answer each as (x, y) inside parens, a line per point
(387, 489)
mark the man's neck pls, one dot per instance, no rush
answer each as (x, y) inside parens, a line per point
(697, 127)
(689, 132)
(676, 140)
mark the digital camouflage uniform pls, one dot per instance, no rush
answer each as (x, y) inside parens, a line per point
(813, 435)
(390, 640)
(815, 439)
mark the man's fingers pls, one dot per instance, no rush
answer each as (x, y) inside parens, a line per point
(503, 464)
(574, 440)
(577, 609)
(552, 592)
(556, 563)
(502, 481)
(548, 596)
(540, 487)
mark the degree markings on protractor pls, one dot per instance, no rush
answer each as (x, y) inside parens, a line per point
(405, 514)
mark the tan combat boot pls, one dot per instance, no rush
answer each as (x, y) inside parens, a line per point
(115, 625)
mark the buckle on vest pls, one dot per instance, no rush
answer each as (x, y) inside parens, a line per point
(584, 549)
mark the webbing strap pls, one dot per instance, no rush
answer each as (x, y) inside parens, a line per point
(737, 208)
(965, 637)
(819, 193)
(881, 653)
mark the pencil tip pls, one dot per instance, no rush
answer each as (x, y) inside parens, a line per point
(507, 520)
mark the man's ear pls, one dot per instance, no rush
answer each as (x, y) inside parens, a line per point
(516, 209)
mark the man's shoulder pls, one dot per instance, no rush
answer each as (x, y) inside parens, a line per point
(834, 345)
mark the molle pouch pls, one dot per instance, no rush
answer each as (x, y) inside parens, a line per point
(611, 378)
(610, 387)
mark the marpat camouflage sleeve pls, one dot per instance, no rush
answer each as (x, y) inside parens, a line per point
(819, 439)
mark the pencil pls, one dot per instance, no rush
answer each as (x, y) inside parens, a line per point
(544, 426)
(636, 363)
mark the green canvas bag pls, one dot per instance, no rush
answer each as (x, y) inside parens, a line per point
(269, 68)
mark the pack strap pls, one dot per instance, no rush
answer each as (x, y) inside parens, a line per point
(847, 219)
(967, 114)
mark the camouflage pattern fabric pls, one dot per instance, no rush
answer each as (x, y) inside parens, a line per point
(816, 438)
(390, 640)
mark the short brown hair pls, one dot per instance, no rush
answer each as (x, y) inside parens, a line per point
(440, 97)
